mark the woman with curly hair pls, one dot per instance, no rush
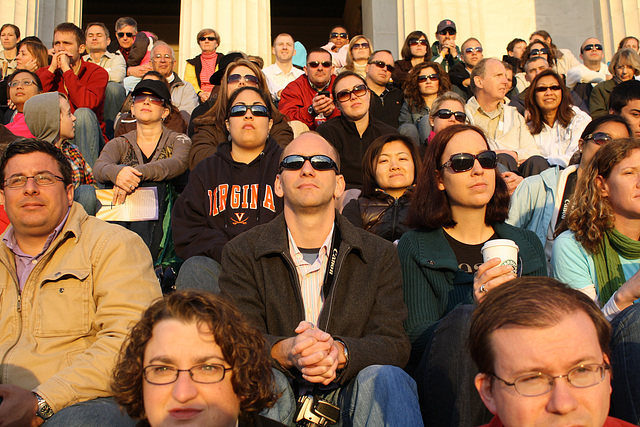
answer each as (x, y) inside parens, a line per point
(360, 49)
(425, 82)
(416, 49)
(556, 125)
(192, 359)
(210, 129)
(600, 253)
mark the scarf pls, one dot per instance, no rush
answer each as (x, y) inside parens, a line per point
(607, 262)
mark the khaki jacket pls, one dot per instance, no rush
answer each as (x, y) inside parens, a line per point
(60, 337)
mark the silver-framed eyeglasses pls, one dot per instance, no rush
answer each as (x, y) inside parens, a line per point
(539, 383)
(42, 179)
(23, 83)
(209, 373)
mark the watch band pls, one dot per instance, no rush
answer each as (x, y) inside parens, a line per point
(311, 111)
(44, 410)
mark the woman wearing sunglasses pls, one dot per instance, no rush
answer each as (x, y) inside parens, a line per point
(193, 359)
(414, 51)
(534, 49)
(390, 166)
(539, 202)
(360, 49)
(425, 82)
(210, 129)
(229, 192)
(460, 202)
(200, 68)
(624, 66)
(556, 124)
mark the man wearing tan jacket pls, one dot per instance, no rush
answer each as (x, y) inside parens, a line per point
(70, 287)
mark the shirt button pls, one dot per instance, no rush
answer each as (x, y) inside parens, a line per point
(34, 261)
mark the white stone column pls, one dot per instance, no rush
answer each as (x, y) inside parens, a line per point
(380, 24)
(243, 25)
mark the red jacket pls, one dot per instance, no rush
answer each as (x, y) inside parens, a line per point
(296, 99)
(610, 422)
(85, 90)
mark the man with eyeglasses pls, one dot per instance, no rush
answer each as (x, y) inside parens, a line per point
(280, 74)
(460, 73)
(326, 296)
(72, 287)
(306, 101)
(183, 95)
(592, 70)
(386, 98)
(542, 350)
(444, 50)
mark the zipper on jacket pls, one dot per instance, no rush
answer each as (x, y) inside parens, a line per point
(333, 289)
(395, 219)
(294, 278)
(19, 303)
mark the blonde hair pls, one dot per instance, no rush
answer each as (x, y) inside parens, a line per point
(356, 39)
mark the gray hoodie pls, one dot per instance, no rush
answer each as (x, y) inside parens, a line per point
(42, 115)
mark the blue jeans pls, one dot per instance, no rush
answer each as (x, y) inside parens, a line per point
(100, 412)
(86, 196)
(199, 272)
(88, 137)
(625, 360)
(114, 96)
(380, 395)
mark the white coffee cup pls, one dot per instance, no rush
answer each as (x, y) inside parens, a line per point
(505, 249)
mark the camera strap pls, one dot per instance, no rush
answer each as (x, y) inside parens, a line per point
(330, 273)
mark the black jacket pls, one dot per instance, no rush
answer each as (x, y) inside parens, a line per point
(386, 108)
(343, 135)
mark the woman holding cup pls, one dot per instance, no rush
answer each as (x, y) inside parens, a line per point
(459, 204)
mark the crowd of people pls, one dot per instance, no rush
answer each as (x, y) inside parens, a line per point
(316, 254)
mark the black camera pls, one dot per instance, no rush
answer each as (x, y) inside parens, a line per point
(315, 412)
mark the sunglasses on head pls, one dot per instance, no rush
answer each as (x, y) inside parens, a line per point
(447, 32)
(257, 110)
(446, 114)
(599, 138)
(316, 64)
(137, 99)
(542, 89)
(592, 47)
(538, 52)
(121, 35)
(363, 45)
(415, 42)
(336, 35)
(358, 90)
(432, 77)
(319, 162)
(248, 78)
(474, 49)
(382, 64)
(463, 162)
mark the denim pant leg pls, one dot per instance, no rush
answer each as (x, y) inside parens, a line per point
(100, 412)
(201, 273)
(625, 359)
(86, 196)
(88, 137)
(285, 408)
(380, 395)
(114, 96)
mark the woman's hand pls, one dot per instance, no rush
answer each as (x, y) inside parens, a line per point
(628, 292)
(489, 276)
(512, 180)
(119, 196)
(204, 96)
(128, 179)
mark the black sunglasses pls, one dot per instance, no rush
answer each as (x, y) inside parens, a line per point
(336, 35)
(463, 162)
(538, 52)
(358, 90)
(447, 32)
(382, 64)
(599, 138)
(542, 89)
(474, 49)
(316, 64)
(248, 78)
(210, 38)
(415, 42)
(121, 35)
(240, 110)
(446, 114)
(432, 77)
(319, 162)
(592, 47)
(363, 45)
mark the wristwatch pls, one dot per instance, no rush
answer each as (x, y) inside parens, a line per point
(312, 111)
(345, 352)
(44, 410)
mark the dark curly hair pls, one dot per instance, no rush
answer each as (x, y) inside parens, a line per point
(243, 347)
(412, 87)
(565, 113)
(430, 208)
